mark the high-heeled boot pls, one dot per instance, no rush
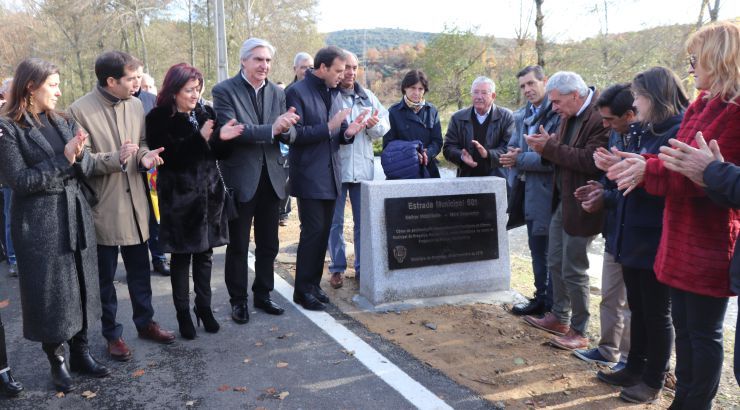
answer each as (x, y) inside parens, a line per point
(206, 315)
(80, 359)
(185, 322)
(8, 386)
(59, 372)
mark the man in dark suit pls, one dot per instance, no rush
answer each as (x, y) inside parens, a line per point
(315, 172)
(255, 170)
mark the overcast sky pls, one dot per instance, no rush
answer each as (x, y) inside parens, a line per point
(564, 19)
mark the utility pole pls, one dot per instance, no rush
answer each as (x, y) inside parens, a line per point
(221, 54)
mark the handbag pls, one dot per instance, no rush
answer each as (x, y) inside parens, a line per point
(230, 208)
(516, 206)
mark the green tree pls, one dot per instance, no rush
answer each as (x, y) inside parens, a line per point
(452, 61)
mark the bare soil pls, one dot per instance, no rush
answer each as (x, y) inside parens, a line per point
(491, 351)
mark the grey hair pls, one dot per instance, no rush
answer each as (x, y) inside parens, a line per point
(349, 53)
(483, 79)
(300, 57)
(5, 87)
(567, 82)
(248, 46)
(148, 78)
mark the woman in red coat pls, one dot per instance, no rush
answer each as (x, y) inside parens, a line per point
(698, 236)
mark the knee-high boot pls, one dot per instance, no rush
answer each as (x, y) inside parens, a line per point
(8, 385)
(59, 371)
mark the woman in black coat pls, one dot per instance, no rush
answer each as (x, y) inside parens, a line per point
(190, 192)
(44, 161)
(415, 119)
(660, 102)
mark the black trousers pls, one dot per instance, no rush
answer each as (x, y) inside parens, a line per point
(263, 209)
(3, 350)
(315, 216)
(651, 329)
(179, 269)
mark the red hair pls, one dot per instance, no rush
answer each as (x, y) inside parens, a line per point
(177, 76)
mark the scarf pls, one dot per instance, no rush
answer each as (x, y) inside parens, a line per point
(416, 107)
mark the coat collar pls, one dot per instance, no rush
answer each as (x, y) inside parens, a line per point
(467, 114)
(35, 135)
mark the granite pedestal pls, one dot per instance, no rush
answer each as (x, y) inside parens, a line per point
(475, 273)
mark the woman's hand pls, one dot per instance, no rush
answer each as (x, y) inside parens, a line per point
(206, 130)
(629, 173)
(74, 147)
(231, 130)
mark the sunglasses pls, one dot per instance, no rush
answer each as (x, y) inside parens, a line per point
(692, 61)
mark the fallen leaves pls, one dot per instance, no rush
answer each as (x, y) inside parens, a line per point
(241, 389)
(190, 403)
(88, 394)
(224, 387)
(138, 373)
(286, 335)
(258, 344)
(281, 365)
(247, 360)
(348, 352)
(59, 395)
(283, 395)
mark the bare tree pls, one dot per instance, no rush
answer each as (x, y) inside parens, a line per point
(713, 12)
(539, 22)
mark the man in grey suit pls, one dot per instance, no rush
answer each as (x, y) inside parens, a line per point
(254, 169)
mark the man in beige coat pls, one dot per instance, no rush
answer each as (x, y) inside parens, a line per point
(115, 124)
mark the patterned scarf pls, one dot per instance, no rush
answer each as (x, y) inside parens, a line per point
(193, 120)
(416, 107)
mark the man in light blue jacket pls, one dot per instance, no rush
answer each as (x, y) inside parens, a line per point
(357, 165)
(527, 168)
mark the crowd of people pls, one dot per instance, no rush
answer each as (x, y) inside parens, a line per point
(125, 171)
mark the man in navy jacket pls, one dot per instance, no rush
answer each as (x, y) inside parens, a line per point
(721, 181)
(314, 166)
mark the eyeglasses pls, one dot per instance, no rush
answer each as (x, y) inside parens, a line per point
(692, 61)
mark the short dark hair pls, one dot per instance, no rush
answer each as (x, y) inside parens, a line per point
(112, 64)
(413, 77)
(539, 73)
(618, 98)
(327, 55)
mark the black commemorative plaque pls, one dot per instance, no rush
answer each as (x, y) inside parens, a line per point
(438, 230)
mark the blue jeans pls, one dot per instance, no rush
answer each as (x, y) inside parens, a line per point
(154, 249)
(7, 197)
(698, 322)
(336, 235)
(542, 282)
(138, 278)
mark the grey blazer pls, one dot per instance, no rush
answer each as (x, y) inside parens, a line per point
(256, 146)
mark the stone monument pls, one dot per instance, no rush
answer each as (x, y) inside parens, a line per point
(434, 239)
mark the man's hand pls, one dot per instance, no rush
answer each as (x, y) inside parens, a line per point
(508, 159)
(604, 159)
(230, 130)
(537, 142)
(286, 120)
(468, 159)
(482, 151)
(152, 158)
(336, 120)
(689, 161)
(206, 130)
(356, 126)
(591, 196)
(373, 120)
(126, 151)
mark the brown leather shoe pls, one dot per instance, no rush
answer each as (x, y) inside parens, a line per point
(337, 280)
(571, 341)
(152, 331)
(118, 350)
(548, 323)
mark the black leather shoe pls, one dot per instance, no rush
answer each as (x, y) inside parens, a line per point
(320, 294)
(308, 301)
(82, 362)
(623, 378)
(59, 372)
(240, 313)
(268, 306)
(8, 386)
(162, 267)
(534, 307)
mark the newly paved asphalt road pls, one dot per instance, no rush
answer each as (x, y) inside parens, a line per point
(242, 366)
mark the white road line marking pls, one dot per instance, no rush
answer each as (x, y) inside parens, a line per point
(410, 389)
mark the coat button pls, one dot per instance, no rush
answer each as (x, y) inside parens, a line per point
(128, 190)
